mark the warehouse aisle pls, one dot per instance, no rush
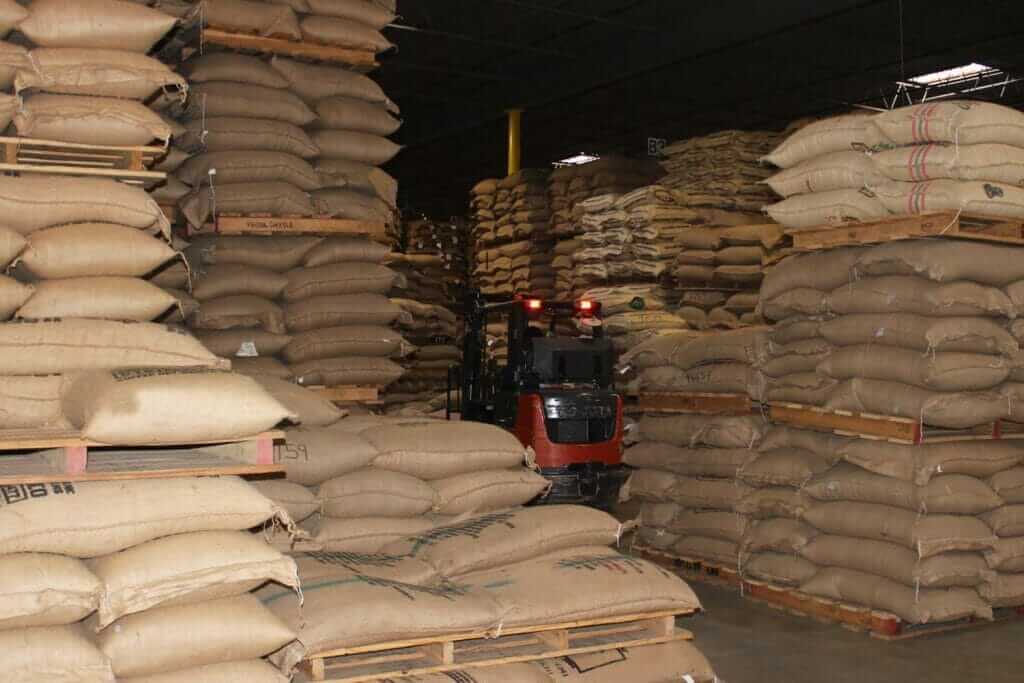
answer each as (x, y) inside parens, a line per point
(751, 643)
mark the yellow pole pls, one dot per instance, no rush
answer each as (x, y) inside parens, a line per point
(515, 137)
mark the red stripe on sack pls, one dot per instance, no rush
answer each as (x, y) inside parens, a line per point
(923, 162)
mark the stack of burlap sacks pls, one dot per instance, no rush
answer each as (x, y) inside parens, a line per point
(435, 262)
(512, 248)
(721, 170)
(940, 156)
(691, 469)
(632, 313)
(318, 304)
(918, 329)
(374, 480)
(139, 581)
(433, 331)
(569, 187)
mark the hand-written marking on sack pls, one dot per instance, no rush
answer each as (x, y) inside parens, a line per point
(17, 493)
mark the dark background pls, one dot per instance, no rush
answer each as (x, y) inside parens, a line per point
(604, 75)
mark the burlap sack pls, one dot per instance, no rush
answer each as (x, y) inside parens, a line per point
(89, 519)
(213, 632)
(998, 163)
(240, 311)
(234, 279)
(347, 371)
(243, 343)
(377, 15)
(345, 250)
(1007, 555)
(11, 14)
(677, 661)
(95, 24)
(921, 333)
(254, 671)
(956, 121)
(822, 270)
(700, 548)
(343, 32)
(794, 330)
(375, 493)
(355, 146)
(438, 352)
(366, 534)
(949, 410)
(796, 358)
(897, 294)
(347, 113)
(64, 653)
(825, 209)
(927, 535)
(348, 309)
(846, 170)
(314, 82)
(51, 347)
(1009, 485)
(225, 99)
(915, 606)
(32, 402)
(433, 450)
(311, 410)
(936, 371)
(726, 526)
(944, 494)
(278, 254)
(237, 133)
(806, 388)
(99, 73)
(773, 501)
(919, 464)
(41, 201)
(1004, 590)
(580, 583)
(298, 501)
(312, 456)
(783, 467)
(779, 569)
(360, 610)
(478, 492)
(835, 134)
(713, 494)
(89, 249)
(693, 430)
(943, 261)
(778, 535)
(264, 19)
(796, 303)
(11, 245)
(207, 565)
(989, 199)
(89, 121)
(339, 278)
(346, 340)
(13, 295)
(352, 204)
(263, 366)
(897, 563)
(231, 67)
(273, 198)
(500, 538)
(143, 407)
(106, 298)
(216, 168)
(693, 462)
(45, 590)
(717, 378)
(1006, 521)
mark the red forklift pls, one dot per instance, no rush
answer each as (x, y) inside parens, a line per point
(553, 392)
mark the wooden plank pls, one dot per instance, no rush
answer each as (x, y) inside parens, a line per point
(692, 569)
(29, 439)
(294, 225)
(137, 177)
(705, 404)
(897, 429)
(348, 394)
(290, 48)
(951, 224)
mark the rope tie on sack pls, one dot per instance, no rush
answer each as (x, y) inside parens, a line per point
(211, 174)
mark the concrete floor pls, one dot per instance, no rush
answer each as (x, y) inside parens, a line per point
(751, 643)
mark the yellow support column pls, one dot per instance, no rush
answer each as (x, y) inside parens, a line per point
(515, 137)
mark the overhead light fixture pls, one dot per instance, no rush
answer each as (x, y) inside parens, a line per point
(577, 160)
(955, 74)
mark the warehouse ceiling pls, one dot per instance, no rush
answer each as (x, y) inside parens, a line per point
(605, 75)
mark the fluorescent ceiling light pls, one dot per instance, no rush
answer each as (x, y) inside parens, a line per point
(954, 74)
(577, 160)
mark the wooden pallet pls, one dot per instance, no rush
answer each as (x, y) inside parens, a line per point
(349, 394)
(285, 46)
(700, 403)
(483, 649)
(31, 456)
(128, 164)
(690, 568)
(870, 426)
(265, 224)
(940, 224)
(877, 624)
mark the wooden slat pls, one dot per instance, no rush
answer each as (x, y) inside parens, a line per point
(348, 394)
(28, 439)
(705, 404)
(290, 48)
(897, 429)
(949, 224)
(293, 225)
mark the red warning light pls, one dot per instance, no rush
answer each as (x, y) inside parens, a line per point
(586, 306)
(535, 304)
